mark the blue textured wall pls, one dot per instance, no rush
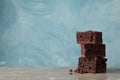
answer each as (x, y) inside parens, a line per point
(43, 32)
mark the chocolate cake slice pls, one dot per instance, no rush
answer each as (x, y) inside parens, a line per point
(92, 50)
(89, 37)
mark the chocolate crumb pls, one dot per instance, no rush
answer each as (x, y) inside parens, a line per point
(70, 71)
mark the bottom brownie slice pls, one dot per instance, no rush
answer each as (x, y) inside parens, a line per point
(91, 65)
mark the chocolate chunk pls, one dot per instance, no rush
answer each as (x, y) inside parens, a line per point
(89, 37)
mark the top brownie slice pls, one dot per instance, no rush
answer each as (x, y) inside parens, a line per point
(89, 37)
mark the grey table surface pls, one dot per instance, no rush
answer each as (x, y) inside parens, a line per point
(11, 73)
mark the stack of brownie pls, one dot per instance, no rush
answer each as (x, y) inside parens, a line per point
(92, 58)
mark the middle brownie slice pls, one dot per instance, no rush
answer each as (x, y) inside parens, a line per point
(92, 50)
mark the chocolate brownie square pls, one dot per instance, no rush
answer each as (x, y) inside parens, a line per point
(91, 65)
(92, 50)
(89, 37)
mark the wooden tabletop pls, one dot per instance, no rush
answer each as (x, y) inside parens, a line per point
(7, 73)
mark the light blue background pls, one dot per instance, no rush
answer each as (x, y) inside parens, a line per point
(43, 32)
